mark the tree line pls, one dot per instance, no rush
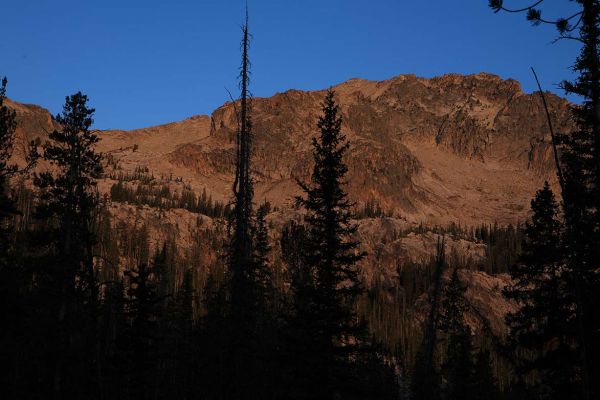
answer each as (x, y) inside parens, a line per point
(164, 198)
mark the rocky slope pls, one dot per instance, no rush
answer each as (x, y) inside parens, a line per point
(453, 149)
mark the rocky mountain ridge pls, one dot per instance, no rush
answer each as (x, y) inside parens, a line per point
(455, 149)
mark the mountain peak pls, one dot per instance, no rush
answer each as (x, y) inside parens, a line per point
(467, 148)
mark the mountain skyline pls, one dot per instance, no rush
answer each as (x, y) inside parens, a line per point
(142, 67)
(454, 148)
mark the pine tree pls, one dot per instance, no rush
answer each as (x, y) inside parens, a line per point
(483, 385)
(581, 197)
(69, 202)
(183, 346)
(8, 125)
(458, 365)
(9, 277)
(262, 278)
(579, 175)
(215, 338)
(142, 307)
(241, 244)
(541, 325)
(242, 314)
(451, 319)
(114, 330)
(425, 383)
(330, 258)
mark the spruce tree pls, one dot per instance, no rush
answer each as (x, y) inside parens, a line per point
(69, 204)
(579, 176)
(8, 125)
(326, 308)
(543, 324)
(458, 366)
(11, 275)
(242, 317)
(483, 386)
(451, 319)
(581, 197)
(241, 245)
(425, 384)
(261, 272)
(182, 346)
(142, 308)
(266, 309)
(114, 332)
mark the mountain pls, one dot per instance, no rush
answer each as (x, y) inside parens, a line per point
(456, 149)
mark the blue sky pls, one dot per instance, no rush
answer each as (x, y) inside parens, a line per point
(146, 62)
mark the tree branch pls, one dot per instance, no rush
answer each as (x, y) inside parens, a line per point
(552, 135)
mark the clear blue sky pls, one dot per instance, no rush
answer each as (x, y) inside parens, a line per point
(146, 62)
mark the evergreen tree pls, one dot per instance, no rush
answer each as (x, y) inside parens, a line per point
(214, 338)
(8, 125)
(13, 279)
(241, 244)
(542, 325)
(483, 382)
(579, 176)
(165, 270)
(114, 329)
(142, 308)
(451, 319)
(425, 383)
(325, 302)
(183, 345)
(581, 197)
(69, 202)
(266, 308)
(242, 314)
(458, 366)
(9, 281)
(261, 272)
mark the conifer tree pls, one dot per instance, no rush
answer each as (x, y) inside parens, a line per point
(241, 244)
(425, 383)
(266, 308)
(142, 307)
(451, 319)
(242, 314)
(541, 325)
(114, 330)
(183, 344)
(458, 365)
(579, 175)
(69, 202)
(581, 197)
(8, 280)
(214, 342)
(330, 257)
(8, 125)
(261, 273)
(483, 385)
